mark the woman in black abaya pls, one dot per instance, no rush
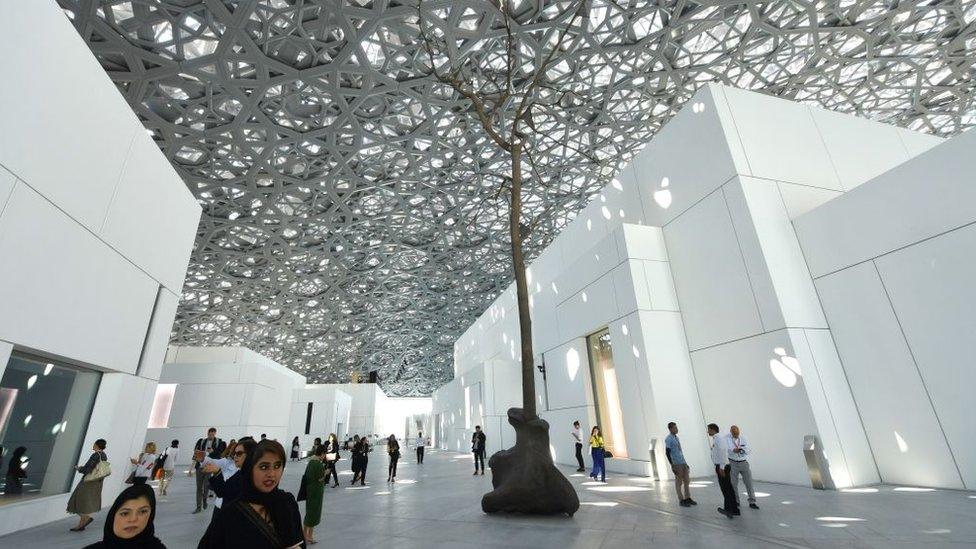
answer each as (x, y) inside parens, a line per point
(265, 517)
(130, 521)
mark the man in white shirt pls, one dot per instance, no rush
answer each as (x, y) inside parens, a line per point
(739, 465)
(720, 458)
(420, 448)
(578, 439)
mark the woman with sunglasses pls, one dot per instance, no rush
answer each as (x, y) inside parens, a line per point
(265, 516)
(228, 485)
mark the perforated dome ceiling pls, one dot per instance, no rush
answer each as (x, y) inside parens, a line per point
(350, 221)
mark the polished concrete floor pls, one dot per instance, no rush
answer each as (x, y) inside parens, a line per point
(438, 505)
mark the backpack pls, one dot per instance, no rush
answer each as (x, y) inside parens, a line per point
(160, 461)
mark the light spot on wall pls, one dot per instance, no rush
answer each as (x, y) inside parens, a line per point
(902, 445)
(663, 196)
(589, 225)
(48, 368)
(28, 419)
(31, 381)
(555, 290)
(572, 364)
(623, 328)
(617, 184)
(584, 297)
(605, 212)
(785, 369)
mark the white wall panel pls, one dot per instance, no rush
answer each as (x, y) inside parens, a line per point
(661, 345)
(746, 232)
(931, 288)
(838, 423)
(630, 287)
(917, 142)
(914, 201)
(195, 404)
(568, 375)
(736, 386)
(695, 151)
(859, 149)
(81, 177)
(588, 310)
(899, 420)
(110, 300)
(633, 389)
(642, 242)
(7, 182)
(153, 217)
(781, 140)
(157, 338)
(795, 293)
(660, 286)
(800, 199)
(714, 293)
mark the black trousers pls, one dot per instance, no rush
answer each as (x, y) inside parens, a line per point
(393, 463)
(330, 471)
(725, 483)
(479, 457)
(420, 454)
(579, 455)
(139, 480)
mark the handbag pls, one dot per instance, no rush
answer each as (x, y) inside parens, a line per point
(607, 453)
(101, 470)
(331, 456)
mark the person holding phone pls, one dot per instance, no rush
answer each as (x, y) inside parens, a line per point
(210, 446)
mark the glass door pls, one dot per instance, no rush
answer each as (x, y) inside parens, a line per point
(607, 398)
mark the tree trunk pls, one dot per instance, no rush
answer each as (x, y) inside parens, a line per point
(521, 285)
(524, 477)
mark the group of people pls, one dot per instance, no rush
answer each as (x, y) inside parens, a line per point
(250, 509)
(729, 453)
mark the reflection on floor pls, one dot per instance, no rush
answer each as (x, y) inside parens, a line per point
(438, 505)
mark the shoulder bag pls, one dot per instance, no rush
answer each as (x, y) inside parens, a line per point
(101, 470)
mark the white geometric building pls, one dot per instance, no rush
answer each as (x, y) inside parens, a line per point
(731, 266)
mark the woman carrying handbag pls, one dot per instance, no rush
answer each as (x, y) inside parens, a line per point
(86, 499)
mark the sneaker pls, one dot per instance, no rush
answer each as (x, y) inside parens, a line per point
(684, 503)
(722, 512)
(753, 506)
(691, 501)
(195, 511)
(580, 470)
(476, 472)
(482, 471)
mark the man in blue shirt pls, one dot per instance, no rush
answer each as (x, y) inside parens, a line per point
(682, 477)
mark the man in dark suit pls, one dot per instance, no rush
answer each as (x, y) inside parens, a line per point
(478, 447)
(210, 446)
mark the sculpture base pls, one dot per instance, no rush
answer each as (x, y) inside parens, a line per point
(525, 478)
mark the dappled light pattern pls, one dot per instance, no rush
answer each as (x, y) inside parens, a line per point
(351, 220)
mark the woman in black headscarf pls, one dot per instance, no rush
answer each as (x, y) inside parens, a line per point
(265, 517)
(130, 521)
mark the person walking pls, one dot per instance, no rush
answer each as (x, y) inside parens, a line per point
(314, 480)
(720, 458)
(679, 466)
(265, 516)
(209, 446)
(360, 460)
(578, 441)
(170, 455)
(393, 449)
(739, 464)
(597, 450)
(478, 440)
(144, 464)
(420, 448)
(295, 449)
(331, 459)
(129, 522)
(86, 499)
